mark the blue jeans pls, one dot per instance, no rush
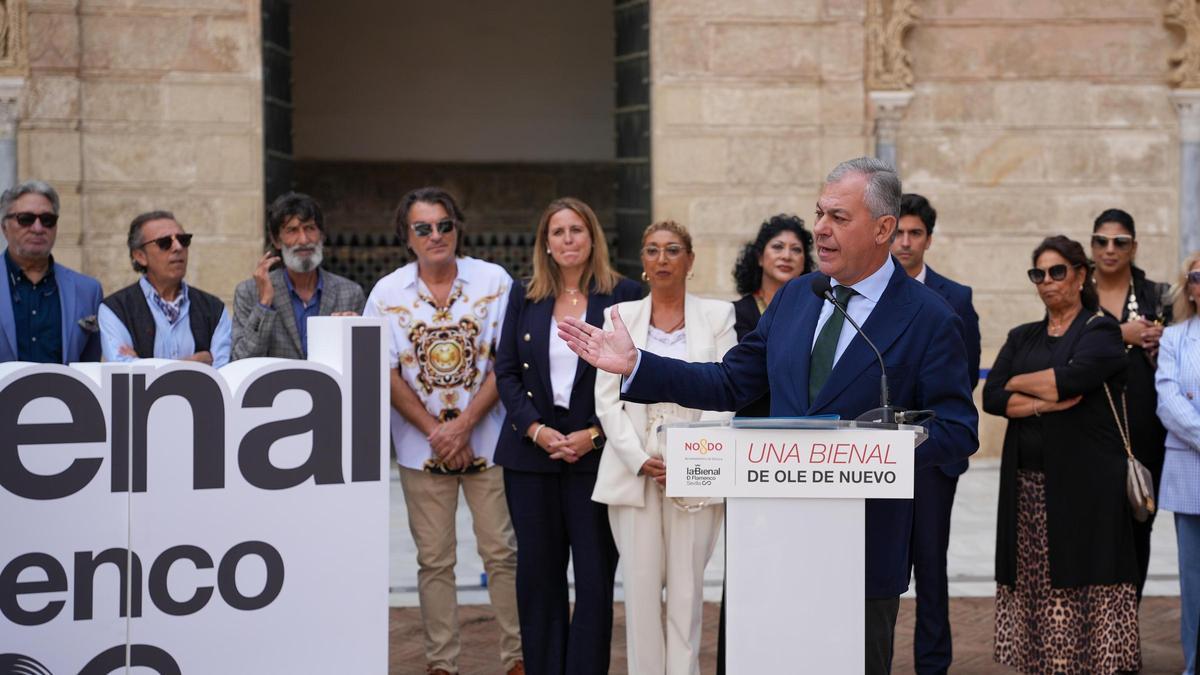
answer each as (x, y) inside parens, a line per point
(1187, 534)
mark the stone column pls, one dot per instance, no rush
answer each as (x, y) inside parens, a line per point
(888, 109)
(1187, 102)
(10, 106)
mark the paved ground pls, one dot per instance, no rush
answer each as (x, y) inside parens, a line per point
(970, 567)
(971, 619)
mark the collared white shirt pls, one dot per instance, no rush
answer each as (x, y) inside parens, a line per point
(859, 306)
(443, 353)
(921, 275)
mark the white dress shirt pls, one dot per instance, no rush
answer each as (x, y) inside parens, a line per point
(859, 306)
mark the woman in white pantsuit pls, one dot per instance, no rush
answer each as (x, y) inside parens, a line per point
(664, 543)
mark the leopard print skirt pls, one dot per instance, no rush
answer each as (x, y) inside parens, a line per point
(1040, 629)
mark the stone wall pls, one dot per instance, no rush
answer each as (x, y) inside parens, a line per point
(1027, 119)
(751, 104)
(132, 105)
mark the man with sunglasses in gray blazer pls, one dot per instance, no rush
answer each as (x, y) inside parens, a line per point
(47, 310)
(271, 309)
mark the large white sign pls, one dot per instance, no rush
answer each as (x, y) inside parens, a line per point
(724, 461)
(170, 518)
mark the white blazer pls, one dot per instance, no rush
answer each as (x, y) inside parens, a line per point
(709, 325)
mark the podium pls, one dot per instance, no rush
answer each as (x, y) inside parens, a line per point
(795, 537)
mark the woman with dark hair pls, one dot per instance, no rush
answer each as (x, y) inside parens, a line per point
(1066, 573)
(1142, 307)
(551, 444)
(781, 252)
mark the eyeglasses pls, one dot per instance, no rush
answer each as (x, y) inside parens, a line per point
(25, 219)
(1194, 277)
(673, 251)
(1056, 272)
(165, 243)
(1122, 242)
(426, 229)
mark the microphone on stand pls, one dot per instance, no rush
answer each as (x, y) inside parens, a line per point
(885, 412)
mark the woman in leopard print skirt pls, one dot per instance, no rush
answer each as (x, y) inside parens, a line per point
(1066, 599)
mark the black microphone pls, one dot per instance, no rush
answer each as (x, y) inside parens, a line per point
(823, 289)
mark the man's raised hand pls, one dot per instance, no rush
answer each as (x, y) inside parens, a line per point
(609, 350)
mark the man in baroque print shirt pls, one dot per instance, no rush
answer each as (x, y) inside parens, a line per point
(445, 312)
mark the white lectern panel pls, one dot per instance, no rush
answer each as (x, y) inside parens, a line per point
(794, 576)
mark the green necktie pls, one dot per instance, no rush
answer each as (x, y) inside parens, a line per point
(825, 348)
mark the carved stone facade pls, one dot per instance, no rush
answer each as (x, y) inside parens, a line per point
(1185, 60)
(889, 63)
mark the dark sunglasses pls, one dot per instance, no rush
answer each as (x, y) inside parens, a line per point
(1193, 277)
(165, 243)
(25, 219)
(1057, 273)
(1122, 242)
(426, 229)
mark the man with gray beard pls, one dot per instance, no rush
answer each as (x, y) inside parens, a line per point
(271, 309)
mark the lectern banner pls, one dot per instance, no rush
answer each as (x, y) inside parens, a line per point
(163, 517)
(800, 463)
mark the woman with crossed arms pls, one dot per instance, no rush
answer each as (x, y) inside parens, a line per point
(664, 543)
(1066, 572)
(551, 444)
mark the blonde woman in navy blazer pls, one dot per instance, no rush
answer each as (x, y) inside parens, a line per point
(1178, 383)
(551, 445)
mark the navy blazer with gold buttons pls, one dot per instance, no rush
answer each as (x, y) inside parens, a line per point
(523, 379)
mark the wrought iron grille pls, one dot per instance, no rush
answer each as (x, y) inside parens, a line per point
(366, 258)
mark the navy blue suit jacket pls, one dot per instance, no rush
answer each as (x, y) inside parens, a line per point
(523, 379)
(959, 297)
(79, 298)
(927, 369)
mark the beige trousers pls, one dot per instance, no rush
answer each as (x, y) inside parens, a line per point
(432, 501)
(661, 547)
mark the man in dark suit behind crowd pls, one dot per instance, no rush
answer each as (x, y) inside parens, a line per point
(933, 487)
(927, 364)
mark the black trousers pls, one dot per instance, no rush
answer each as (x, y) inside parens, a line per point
(1141, 547)
(880, 634)
(556, 521)
(933, 499)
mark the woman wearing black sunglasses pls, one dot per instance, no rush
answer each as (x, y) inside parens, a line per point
(1143, 307)
(1066, 598)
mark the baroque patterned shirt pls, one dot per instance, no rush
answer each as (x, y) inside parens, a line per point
(444, 353)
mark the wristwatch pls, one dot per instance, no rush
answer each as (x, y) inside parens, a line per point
(597, 437)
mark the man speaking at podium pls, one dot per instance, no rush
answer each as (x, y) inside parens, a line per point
(813, 362)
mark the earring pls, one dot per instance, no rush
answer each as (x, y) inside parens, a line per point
(690, 274)
(645, 277)
(547, 250)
